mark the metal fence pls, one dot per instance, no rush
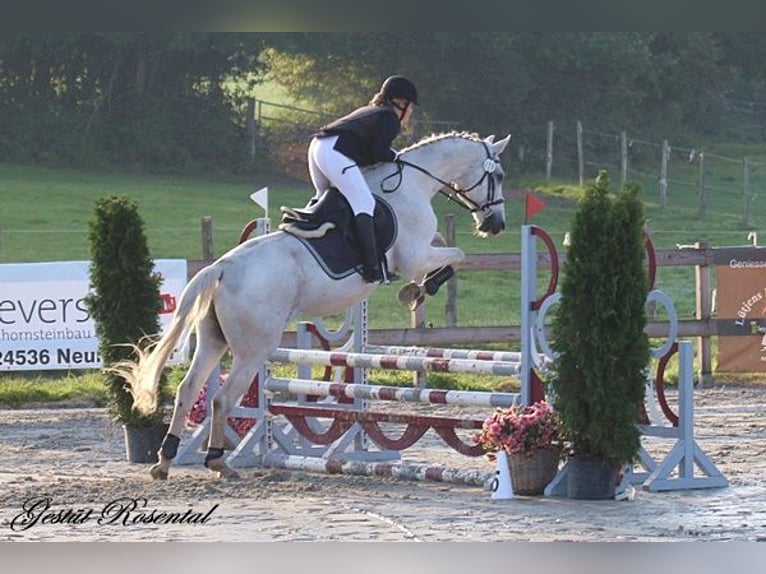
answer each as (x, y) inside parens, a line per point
(672, 175)
(281, 133)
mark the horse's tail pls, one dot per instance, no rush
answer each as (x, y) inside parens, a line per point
(143, 376)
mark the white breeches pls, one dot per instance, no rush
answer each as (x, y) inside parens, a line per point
(329, 167)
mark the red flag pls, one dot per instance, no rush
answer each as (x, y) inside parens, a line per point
(532, 205)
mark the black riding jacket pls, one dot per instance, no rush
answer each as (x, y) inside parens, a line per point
(365, 135)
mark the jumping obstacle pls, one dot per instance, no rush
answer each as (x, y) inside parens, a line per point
(510, 356)
(330, 426)
(398, 394)
(355, 440)
(396, 362)
(469, 477)
(355, 434)
(351, 439)
(686, 455)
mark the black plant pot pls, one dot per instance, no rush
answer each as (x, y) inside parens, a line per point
(143, 442)
(590, 479)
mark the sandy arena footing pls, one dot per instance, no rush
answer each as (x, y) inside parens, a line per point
(70, 463)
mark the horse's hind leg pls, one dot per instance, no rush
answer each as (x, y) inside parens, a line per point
(239, 379)
(210, 348)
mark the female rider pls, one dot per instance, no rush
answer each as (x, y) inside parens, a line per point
(362, 138)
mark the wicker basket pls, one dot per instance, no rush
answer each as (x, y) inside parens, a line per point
(530, 476)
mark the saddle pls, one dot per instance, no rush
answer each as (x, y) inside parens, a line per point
(326, 229)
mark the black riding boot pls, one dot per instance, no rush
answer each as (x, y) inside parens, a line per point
(365, 235)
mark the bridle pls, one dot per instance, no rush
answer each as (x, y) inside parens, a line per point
(451, 190)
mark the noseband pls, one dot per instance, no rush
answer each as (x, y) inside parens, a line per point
(451, 190)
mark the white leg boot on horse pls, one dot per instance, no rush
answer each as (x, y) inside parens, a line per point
(245, 300)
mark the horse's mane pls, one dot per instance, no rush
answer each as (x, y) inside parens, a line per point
(427, 140)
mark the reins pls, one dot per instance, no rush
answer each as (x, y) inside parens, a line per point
(450, 189)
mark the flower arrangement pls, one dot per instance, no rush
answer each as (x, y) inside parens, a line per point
(198, 412)
(520, 430)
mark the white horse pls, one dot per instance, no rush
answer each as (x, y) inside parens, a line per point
(244, 301)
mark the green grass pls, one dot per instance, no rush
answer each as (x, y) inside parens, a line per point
(45, 211)
(17, 390)
(44, 214)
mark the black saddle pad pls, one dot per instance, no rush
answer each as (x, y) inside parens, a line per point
(337, 251)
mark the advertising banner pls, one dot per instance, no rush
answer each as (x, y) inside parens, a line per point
(45, 324)
(741, 301)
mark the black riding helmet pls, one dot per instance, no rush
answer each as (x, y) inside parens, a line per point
(399, 87)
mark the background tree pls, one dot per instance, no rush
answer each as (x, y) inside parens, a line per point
(125, 99)
(176, 100)
(514, 81)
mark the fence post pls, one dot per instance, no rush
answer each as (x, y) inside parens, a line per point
(746, 199)
(450, 307)
(664, 173)
(623, 158)
(418, 321)
(580, 158)
(251, 126)
(549, 152)
(703, 312)
(702, 193)
(208, 253)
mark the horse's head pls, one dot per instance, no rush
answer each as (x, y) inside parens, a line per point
(481, 188)
(469, 171)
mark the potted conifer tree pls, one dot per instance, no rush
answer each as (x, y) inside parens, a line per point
(124, 303)
(598, 378)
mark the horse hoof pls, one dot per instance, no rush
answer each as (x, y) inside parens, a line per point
(411, 295)
(158, 473)
(227, 473)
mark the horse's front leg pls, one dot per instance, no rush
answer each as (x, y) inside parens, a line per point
(432, 258)
(435, 278)
(433, 270)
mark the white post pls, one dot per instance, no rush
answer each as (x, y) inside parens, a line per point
(528, 286)
(361, 328)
